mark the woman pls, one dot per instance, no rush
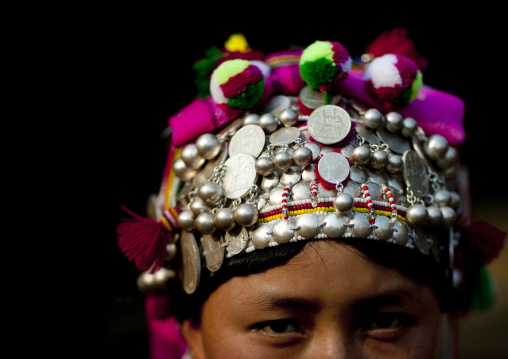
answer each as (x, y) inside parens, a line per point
(311, 208)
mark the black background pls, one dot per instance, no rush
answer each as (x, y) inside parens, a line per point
(126, 70)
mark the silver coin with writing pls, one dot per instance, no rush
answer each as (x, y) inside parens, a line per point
(333, 167)
(329, 124)
(249, 139)
(213, 251)
(415, 173)
(191, 262)
(240, 174)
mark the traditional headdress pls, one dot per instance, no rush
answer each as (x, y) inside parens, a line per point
(309, 144)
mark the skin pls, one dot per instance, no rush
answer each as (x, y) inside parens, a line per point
(329, 301)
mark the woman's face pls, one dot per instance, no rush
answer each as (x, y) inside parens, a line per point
(326, 302)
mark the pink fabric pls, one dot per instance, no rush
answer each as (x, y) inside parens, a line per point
(165, 339)
(437, 112)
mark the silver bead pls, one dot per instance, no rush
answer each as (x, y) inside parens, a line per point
(394, 163)
(417, 215)
(282, 232)
(224, 219)
(246, 215)
(379, 159)
(210, 192)
(455, 201)
(361, 155)
(373, 118)
(436, 147)
(361, 226)
(400, 233)
(268, 122)
(186, 220)
(409, 127)
(250, 119)
(449, 216)
(343, 202)
(191, 157)
(264, 166)
(449, 160)
(394, 122)
(282, 160)
(182, 171)
(309, 225)
(383, 228)
(198, 206)
(208, 146)
(335, 225)
(204, 223)
(261, 237)
(288, 117)
(442, 198)
(302, 156)
(435, 216)
(171, 251)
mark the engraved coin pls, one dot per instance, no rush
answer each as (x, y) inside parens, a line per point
(237, 240)
(368, 135)
(249, 139)
(285, 135)
(396, 143)
(276, 104)
(333, 167)
(415, 173)
(191, 262)
(240, 174)
(213, 251)
(313, 99)
(329, 124)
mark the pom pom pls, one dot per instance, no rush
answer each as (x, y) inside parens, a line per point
(237, 84)
(143, 240)
(486, 242)
(393, 80)
(324, 65)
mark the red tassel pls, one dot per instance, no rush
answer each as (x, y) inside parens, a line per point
(143, 240)
(486, 241)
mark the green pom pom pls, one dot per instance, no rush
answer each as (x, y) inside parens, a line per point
(249, 97)
(316, 64)
(485, 293)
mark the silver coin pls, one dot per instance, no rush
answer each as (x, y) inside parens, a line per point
(367, 134)
(333, 167)
(415, 173)
(329, 124)
(213, 251)
(396, 143)
(191, 262)
(249, 139)
(237, 240)
(240, 174)
(293, 175)
(285, 135)
(208, 170)
(276, 104)
(313, 99)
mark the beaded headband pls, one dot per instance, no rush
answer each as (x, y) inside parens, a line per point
(301, 145)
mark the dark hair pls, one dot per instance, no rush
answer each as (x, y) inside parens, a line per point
(419, 267)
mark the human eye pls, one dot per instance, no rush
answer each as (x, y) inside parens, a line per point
(279, 327)
(386, 326)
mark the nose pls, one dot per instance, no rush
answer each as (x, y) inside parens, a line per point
(332, 343)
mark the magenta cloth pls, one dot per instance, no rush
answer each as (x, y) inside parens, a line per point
(437, 112)
(165, 339)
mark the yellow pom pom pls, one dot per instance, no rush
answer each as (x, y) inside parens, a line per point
(237, 43)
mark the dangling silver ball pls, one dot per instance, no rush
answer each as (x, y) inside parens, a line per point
(250, 119)
(379, 159)
(224, 219)
(186, 220)
(435, 216)
(442, 198)
(394, 163)
(204, 223)
(343, 202)
(288, 117)
(268, 122)
(417, 215)
(361, 155)
(264, 166)
(449, 216)
(373, 118)
(394, 122)
(182, 171)
(208, 146)
(302, 156)
(191, 157)
(282, 160)
(409, 127)
(198, 206)
(210, 192)
(436, 147)
(261, 236)
(246, 215)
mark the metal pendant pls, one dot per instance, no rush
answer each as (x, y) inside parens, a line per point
(329, 124)
(313, 99)
(276, 104)
(237, 240)
(396, 143)
(249, 139)
(191, 262)
(213, 251)
(415, 173)
(240, 174)
(369, 136)
(285, 136)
